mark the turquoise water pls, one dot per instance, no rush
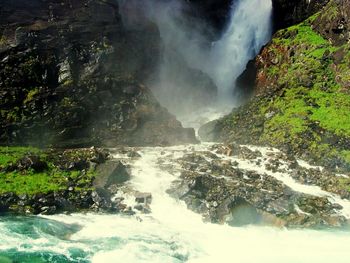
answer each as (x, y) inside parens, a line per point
(33, 239)
(170, 234)
(38, 240)
(111, 238)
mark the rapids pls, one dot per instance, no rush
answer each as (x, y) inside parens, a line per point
(170, 233)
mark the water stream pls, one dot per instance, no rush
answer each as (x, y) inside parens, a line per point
(171, 233)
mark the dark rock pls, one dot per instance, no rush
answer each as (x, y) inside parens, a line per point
(336, 28)
(213, 12)
(112, 172)
(144, 208)
(208, 132)
(133, 154)
(70, 76)
(143, 198)
(224, 194)
(245, 83)
(101, 199)
(31, 162)
(47, 210)
(288, 13)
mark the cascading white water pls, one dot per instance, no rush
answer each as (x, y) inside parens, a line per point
(171, 233)
(249, 29)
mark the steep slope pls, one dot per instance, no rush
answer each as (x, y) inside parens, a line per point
(70, 74)
(302, 102)
(291, 12)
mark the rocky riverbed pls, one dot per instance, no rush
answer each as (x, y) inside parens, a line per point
(226, 184)
(237, 185)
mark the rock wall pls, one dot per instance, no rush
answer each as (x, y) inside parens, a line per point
(291, 12)
(302, 97)
(70, 74)
(214, 13)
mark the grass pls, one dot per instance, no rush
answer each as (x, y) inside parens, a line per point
(12, 154)
(30, 182)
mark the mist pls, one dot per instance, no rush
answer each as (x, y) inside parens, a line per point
(197, 72)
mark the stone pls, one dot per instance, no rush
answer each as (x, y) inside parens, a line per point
(144, 208)
(112, 172)
(143, 198)
(227, 194)
(48, 210)
(80, 72)
(31, 162)
(207, 132)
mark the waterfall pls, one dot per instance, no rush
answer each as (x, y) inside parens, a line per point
(190, 62)
(249, 29)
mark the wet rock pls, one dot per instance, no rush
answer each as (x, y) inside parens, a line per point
(82, 77)
(283, 17)
(112, 172)
(79, 159)
(31, 162)
(47, 210)
(102, 200)
(143, 198)
(208, 132)
(223, 193)
(246, 153)
(133, 154)
(144, 208)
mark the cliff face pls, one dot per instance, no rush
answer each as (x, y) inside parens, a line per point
(291, 12)
(213, 12)
(302, 91)
(70, 75)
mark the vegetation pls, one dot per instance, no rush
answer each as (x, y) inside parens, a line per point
(3, 41)
(307, 107)
(52, 178)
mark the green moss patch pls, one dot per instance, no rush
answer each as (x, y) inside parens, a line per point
(12, 154)
(53, 178)
(304, 104)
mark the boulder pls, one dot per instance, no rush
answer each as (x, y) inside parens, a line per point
(226, 194)
(112, 172)
(208, 132)
(143, 198)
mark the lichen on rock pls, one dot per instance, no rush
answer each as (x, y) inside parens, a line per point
(302, 95)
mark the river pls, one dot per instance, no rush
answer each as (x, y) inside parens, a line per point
(170, 233)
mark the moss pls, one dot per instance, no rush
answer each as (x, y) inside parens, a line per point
(346, 155)
(3, 41)
(333, 111)
(344, 183)
(12, 154)
(52, 179)
(68, 102)
(68, 82)
(31, 95)
(31, 183)
(307, 103)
